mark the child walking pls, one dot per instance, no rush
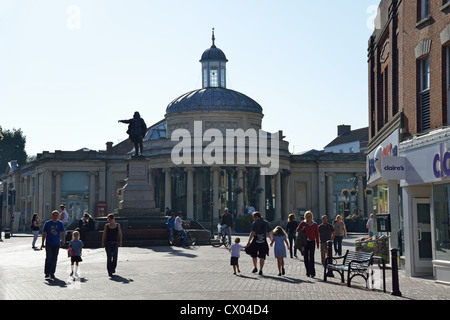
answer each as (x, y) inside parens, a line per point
(76, 244)
(280, 238)
(235, 250)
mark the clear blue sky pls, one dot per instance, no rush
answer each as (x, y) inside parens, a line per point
(70, 69)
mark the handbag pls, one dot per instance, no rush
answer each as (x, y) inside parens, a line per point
(70, 252)
(300, 242)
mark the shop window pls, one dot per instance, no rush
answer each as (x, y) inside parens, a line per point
(441, 196)
(380, 199)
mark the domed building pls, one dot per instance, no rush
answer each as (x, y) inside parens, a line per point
(198, 186)
(209, 152)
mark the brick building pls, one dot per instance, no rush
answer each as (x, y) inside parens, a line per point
(409, 103)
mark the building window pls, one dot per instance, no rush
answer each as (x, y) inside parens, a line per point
(213, 77)
(447, 53)
(424, 9)
(222, 78)
(205, 78)
(424, 94)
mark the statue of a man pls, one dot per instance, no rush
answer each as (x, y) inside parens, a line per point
(136, 131)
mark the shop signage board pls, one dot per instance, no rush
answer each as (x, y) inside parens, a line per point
(387, 148)
(428, 164)
(393, 168)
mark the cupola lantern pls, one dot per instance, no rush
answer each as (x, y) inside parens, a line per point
(213, 66)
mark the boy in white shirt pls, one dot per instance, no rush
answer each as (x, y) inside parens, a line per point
(235, 251)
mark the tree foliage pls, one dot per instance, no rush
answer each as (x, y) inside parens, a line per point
(12, 147)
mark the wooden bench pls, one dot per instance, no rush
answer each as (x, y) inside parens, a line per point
(354, 263)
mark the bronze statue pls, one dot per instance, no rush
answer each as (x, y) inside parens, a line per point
(136, 131)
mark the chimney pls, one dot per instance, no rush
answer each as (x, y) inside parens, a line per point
(109, 147)
(342, 129)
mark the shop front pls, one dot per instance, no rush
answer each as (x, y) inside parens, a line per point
(425, 201)
(383, 184)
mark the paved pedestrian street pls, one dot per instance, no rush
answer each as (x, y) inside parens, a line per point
(196, 274)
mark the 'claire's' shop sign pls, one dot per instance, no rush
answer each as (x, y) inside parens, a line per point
(428, 164)
(441, 162)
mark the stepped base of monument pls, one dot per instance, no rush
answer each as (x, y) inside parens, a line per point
(139, 231)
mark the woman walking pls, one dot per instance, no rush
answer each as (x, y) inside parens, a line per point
(339, 233)
(291, 226)
(35, 223)
(111, 241)
(311, 230)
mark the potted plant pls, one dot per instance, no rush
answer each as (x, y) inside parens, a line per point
(237, 190)
(345, 193)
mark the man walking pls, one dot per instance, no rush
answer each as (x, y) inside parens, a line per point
(63, 216)
(257, 246)
(227, 224)
(53, 237)
(326, 232)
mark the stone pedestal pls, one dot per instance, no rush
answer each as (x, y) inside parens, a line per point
(137, 196)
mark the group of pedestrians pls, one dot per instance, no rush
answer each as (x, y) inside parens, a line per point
(54, 238)
(305, 237)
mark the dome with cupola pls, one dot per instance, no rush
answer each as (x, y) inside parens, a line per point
(213, 99)
(214, 95)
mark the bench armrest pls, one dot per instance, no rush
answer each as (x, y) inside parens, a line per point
(334, 260)
(359, 263)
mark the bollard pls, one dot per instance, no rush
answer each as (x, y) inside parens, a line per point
(330, 256)
(395, 283)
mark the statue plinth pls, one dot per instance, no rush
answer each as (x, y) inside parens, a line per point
(137, 196)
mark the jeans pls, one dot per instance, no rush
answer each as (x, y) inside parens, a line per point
(51, 258)
(337, 242)
(309, 258)
(35, 237)
(291, 238)
(112, 249)
(226, 231)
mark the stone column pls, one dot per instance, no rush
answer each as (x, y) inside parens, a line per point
(286, 204)
(360, 195)
(262, 195)
(240, 197)
(57, 175)
(215, 186)
(278, 196)
(190, 194)
(92, 176)
(330, 208)
(168, 188)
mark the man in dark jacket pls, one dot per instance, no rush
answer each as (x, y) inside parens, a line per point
(257, 246)
(227, 221)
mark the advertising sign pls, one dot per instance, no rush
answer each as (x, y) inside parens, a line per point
(428, 164)
(383, 223)
(393, 168)
(387, 148)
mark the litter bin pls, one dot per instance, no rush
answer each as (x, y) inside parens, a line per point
(376, 244)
